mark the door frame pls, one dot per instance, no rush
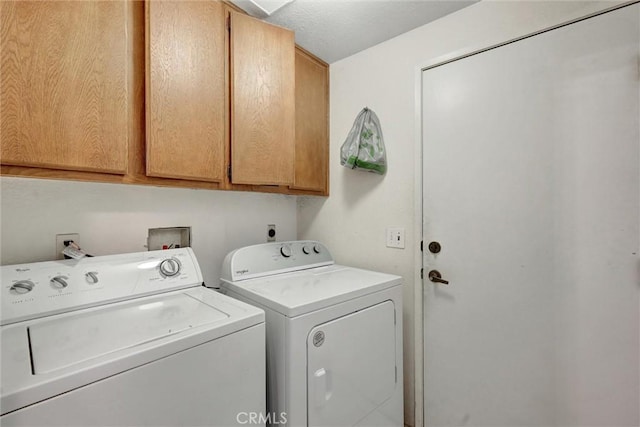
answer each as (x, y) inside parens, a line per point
(418, 338)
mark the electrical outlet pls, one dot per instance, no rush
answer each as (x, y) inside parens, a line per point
(271, 233)
(60, 239)
(395, 237)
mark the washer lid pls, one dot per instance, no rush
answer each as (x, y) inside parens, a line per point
(63, 342)
(296, 293)
(46, 357)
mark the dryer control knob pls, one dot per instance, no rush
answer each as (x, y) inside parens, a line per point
(306, 250)
(285, 251)
(21, 287)
(59, 282)
(170, 267)
(316, 249)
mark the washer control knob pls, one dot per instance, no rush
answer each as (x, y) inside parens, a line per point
(317, 249)
(92, 277)
(21, 287)
(285, 251)
(170, 267)
(306, 250)
(59, 282)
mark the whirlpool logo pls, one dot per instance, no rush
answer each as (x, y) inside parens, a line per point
(241, 272)
(270, 418)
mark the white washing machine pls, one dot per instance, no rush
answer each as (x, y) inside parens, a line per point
(131, 339)
(334, 334)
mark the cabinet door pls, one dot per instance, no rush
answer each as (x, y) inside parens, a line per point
(262, 102)
(64, 85)
(186, 113)
(312, 124)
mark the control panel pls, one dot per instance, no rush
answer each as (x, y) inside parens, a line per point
(274, 258)
(44, 288)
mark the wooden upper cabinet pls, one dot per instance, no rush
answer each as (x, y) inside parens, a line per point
(63, 85)
(186, 109)
(312, 124)
(262, 70)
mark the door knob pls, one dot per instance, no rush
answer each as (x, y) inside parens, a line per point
(436, 277)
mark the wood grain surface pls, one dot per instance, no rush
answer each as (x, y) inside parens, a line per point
(186, 108)
(63, 85)
(262, 70)
(312, 124)
(135, 119)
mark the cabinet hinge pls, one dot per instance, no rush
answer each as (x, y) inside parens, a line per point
(421, 245)
(396, 374)
(229, 172)
(422, 273)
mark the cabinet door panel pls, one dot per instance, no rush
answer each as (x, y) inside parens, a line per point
(64, 85)
(262, 102)
(312, 110)
(186, 114)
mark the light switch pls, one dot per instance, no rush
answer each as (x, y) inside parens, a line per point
(395, 237)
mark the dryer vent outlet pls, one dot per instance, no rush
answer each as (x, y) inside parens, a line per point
(271, 232)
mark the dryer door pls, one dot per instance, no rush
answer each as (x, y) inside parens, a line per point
(351, 366)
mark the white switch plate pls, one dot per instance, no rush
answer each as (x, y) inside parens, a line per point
(60, 238)
(395, 237)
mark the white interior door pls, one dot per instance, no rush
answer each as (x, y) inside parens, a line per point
(531, 186)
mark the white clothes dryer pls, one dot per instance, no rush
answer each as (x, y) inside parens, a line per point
(334, 334)
(132, 339)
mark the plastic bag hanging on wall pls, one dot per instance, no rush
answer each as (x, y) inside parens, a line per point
(364, 147)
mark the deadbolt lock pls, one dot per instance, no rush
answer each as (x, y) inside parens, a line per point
(434, 247)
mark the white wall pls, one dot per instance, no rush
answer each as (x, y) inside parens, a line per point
(352, 221)
(114, 218)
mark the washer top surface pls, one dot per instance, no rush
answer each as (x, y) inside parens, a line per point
(57, 338)
(302, 288)
(39, 289)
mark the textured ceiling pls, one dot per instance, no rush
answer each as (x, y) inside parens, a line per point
(335, 29)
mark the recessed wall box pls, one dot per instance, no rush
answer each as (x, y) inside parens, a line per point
(168, 238)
